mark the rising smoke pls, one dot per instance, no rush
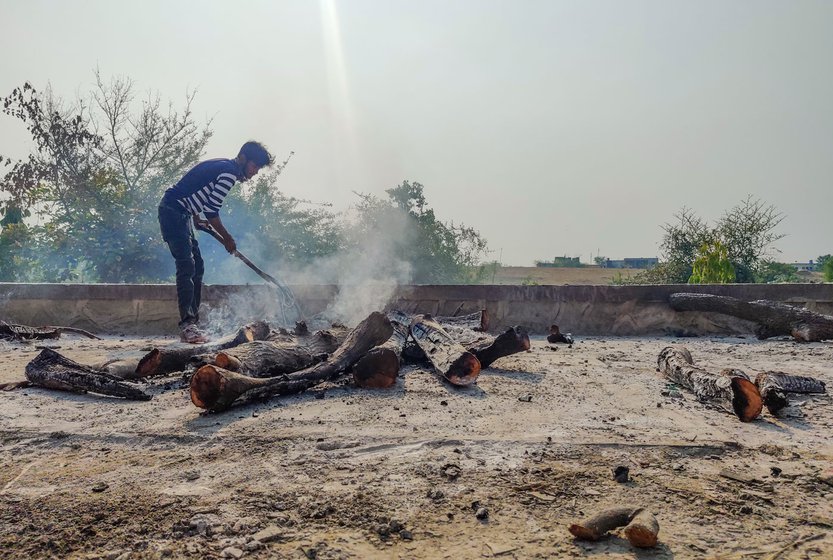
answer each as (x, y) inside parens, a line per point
(366, 274)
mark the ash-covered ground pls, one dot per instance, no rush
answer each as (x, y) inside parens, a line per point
(339, 472)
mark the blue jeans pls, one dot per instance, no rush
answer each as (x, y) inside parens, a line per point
(178, 233)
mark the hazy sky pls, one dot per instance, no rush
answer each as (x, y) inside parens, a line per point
(553, 127)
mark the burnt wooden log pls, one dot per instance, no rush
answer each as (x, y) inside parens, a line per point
(217, 389)
(773, 318)
(730, 390)
(24, 332)
(478, 321)
(176, 356)
(556, 336)
(319, 342)
(457, 365)
(643, 530)
(51, 370)
(262, 358)
(595, 527)
(283, 352)
(774, 386)
(379, 368)
(641, 527)
(486, 348)
(512, 341)
(12, 385)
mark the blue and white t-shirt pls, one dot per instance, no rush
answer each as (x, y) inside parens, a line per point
(203, 189)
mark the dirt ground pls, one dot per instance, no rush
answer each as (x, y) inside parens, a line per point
(339, 472)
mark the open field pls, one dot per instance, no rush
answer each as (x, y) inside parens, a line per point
(559, 276)
(591, 275)
(339, 472)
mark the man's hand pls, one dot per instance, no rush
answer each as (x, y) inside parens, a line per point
(200, 223)
(230, 244)
(228, 240)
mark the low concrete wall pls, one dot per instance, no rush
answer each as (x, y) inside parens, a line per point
(582, 310)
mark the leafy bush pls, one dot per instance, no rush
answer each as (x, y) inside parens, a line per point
(712, 265)
(828, 270)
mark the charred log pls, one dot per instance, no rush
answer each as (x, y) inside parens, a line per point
(773, 318)
(261, 358)
(12, 385)
(556, 336)
(512, 341)
(774, 386)
(51, 370)
(475, 321)
(176, 356)
(217, 389)
(486, 348)
(596, 526)
(24, 332)
(730, 390)
(379, 367)
(643, 530)
(320, 342)
(456, 364)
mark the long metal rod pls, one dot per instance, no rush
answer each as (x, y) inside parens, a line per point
(283, 288)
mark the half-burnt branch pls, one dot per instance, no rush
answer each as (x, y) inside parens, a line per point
(51, 370)
(595, 527)
(512, 341)
(641, 527)
(486, 347)
(730, 390)
(217, 389)
(773, 318)
(176, 356)
(774, 386)
(456, 364)
(25, 332)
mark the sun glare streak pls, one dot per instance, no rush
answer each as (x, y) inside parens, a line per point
(339, 90)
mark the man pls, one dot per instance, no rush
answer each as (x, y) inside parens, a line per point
(201, 192)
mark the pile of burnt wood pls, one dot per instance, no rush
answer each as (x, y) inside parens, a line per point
(258, 362)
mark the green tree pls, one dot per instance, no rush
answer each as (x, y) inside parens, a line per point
(747, 231)
(771, 272)
(101, 163)
(96, 176)
(438, 252)
(681, 240)
(822, 261)
(712, 266)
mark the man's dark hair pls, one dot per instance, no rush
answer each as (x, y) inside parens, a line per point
(257, 153)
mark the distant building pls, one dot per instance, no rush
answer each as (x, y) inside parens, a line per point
(561, 262)
(638, 262)
(804, 267)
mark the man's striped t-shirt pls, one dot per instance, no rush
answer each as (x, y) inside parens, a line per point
(203, 188)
